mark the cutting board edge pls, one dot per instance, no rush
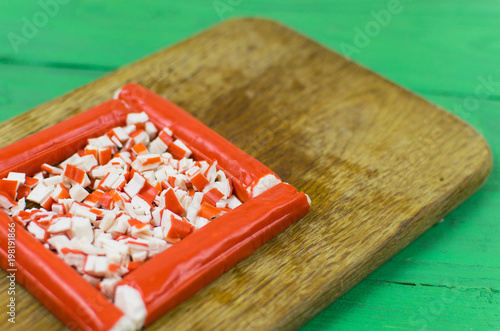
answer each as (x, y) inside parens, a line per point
(482, 171)
(433, 214)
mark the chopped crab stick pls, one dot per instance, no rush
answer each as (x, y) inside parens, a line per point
(179, 150)
(51, 277)
(196, 259)
(39, 193)
(137, 118)
(148, 193)
(208, 211)
(51, 170)
(135, 185)
(119, 133)
(76, 175)
(172, 202)
(250, 177)
(212, 196)
(178, 229)
(78, 193)
(60, 192)
(8, 192)
(139, 149)
(104, 155)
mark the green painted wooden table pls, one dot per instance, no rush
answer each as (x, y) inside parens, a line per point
(448, 52)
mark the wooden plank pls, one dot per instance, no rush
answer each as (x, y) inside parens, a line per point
(443, 307)
(24, 87)
(373, 157)
(442, 34)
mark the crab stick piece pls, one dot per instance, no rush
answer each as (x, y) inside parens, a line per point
(200, 222)
(6, 203)
(96, 265)
(8, 189)
(104, 155)
(166, 135)
(198, 180)
(76, 175)
(112, 181)
(39, 193)
(73, 257)
(116, 251)
(119, 198)
(58, 208)
(139, 149)
(134, 118)
(61, 224)
(130, 301)
(106, 200)
(119, 133)
(231, 203)
(93, 198)
(179, 228)
(86, 162)
(81, 228)
(78, 193)
(92, 150)
(30, 181)
(208, 211)
(194, 206)
(60, 192)
(23, 191)
(47, 203)
(53, 180)
(149, 161)
(212, 196)
(157, 146)
(148, 193)
(140, 137)
(59, 241)
(135, 185)
(36, 230)
(81, 210)
(140, 206)
(172, 203)
(107, 285)
(150, 129)
(51, 170)
(179, 150)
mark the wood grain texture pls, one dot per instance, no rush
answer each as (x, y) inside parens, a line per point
(380, 164)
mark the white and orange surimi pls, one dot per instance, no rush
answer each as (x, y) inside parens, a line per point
(127, 196)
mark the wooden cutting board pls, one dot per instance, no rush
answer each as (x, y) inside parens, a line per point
(380, 164)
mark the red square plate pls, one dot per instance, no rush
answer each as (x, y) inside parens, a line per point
(178, 272)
